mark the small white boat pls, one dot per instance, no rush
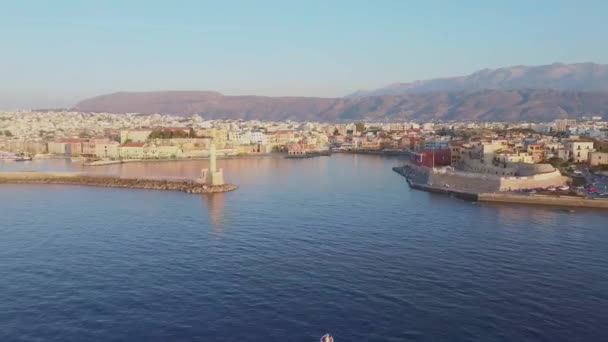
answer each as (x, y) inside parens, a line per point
(327, 338)
(551, 188)
(564, 188)
(23, 157)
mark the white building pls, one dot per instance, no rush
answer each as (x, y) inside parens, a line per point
(578, 151)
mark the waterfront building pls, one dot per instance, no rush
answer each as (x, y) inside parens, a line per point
(297, 149)
(456, 152)
(598, 158)
(489, 149)
(107, 150)
(537, 152)
(66, 147)
(518, 157)
(89, 147)
(56, 147)
(258, 137)
(373, 144)
(431, 158)
(281, 138)
(132, 150)
(152, 151)
(578, 151)
(435, 144)
(254, 149)
(135, 135)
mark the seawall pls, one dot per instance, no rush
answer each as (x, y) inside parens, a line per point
(74, 178)
(506, 197)
(564, 201)
(411, 180)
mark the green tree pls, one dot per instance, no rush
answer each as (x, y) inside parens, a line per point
(8, 133)
(558, 162)
(336, 132)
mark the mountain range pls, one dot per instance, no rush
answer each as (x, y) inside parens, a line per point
(531, 93)
(564, 77)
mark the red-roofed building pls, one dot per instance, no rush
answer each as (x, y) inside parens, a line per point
(132, 150)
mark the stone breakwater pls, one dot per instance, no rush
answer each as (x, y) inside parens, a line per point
(70, 178)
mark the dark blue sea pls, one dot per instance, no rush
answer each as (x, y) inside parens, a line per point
(334, 244)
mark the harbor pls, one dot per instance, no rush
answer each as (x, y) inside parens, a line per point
(211, 179)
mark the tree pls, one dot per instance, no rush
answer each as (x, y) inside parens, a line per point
(8, 133)
(336, 132)
(558, 162)
(360, 126)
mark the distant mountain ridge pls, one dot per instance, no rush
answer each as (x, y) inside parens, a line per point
(563, 77)
(489, 105)
(536, 93)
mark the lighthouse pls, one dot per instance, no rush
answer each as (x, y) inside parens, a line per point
(212, 176)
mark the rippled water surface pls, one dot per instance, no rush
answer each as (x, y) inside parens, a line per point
(332, 244)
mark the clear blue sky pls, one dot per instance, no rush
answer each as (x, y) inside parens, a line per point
(53, 53)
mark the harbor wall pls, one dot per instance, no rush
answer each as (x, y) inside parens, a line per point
(480, 182)
(74, 178)
(565, 201)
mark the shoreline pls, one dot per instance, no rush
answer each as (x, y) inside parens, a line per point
(127, 161)
(83, 179)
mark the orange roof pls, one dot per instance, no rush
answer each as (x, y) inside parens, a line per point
(71, 140)
(132, 144)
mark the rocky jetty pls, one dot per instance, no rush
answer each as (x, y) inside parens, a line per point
(188, 186)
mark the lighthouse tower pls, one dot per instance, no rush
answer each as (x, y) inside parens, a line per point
(212, 176)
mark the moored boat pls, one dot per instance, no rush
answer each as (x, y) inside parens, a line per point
(309, 154)
(23, 157)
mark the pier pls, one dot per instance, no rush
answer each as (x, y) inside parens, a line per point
(191, 186)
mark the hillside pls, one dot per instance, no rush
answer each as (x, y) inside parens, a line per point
(493, 104)
(563, 77)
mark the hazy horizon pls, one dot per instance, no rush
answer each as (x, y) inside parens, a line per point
(61, 52)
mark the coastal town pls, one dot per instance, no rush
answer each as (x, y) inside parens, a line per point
(564, 156)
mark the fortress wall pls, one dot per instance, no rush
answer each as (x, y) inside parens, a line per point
(544, 180)
(476, 182)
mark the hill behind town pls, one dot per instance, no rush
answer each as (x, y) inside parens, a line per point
(537, 93)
